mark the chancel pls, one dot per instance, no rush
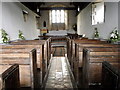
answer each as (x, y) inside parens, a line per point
(59, 44)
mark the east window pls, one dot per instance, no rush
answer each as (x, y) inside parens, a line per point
(58, 16)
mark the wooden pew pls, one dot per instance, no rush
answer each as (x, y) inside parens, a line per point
(92, 63)
(72, 51)
(68, 47)
(41, 66)
(78, 59)
(76, 54)
(72, 36)
(80, 47)
(48, 50)
(26, 58)
(58, 38)
(71, 45)
(46, 43)
(9, 77)
(110, 76)
(43, 53)
(81, 41)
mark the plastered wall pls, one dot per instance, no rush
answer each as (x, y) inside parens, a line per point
(111, 21)
(12, 21)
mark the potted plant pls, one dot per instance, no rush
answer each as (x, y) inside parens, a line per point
(5, 37)
(96, 34)
(74, 27)
(114, 36)
(21, 36)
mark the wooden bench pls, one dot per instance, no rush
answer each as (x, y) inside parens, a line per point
(72, 50)
(43, 53)
(72, 54)
(78, 62)
(110, 76)
(83, 41)
(71, 46)
(26, 58)
(9, 77)
(80, 47)
(92, 63)
(72, 36)
(79, 41)
(58, 38)
(43, 37)
(69, 49)
(46, 44)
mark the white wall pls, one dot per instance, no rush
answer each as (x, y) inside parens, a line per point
(72, 19)
(12, 21)
(0, 20)
(0, 14)
(119, 16)
(78, 24)
(111, 21)
(44, 17)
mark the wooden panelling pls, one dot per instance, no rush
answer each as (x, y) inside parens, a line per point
(110, 76)
(9, 77)
(28, 65)
(92, 68)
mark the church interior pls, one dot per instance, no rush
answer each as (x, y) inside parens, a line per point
(59, 44)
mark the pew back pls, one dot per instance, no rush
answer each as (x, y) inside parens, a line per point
(9, 77)
(80, 47)
(110, 75)
(26, 58)
(78, 58)
(46, 48)
(43, 52)
(72, 42)
(92, 63)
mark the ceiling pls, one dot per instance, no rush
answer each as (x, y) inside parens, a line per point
(34, 5)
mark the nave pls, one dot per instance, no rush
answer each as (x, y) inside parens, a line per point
(59, 45)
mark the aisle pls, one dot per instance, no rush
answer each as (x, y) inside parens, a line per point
(58, 51)
(59, 77)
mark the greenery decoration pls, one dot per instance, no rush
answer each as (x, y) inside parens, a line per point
(21, 36)
(114, 35)
(5, 37)
(74, 27)
(96, 34)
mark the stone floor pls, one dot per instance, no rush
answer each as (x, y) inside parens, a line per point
(59, 77)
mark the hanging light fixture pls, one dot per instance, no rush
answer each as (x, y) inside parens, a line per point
(38, 9)
(78, 8)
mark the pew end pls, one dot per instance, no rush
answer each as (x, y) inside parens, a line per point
(9, 77)
(110, 75)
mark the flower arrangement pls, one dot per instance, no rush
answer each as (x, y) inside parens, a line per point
(114, 35)
(5, 37)
(21, 36)
(74, 27)
(96, 34)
